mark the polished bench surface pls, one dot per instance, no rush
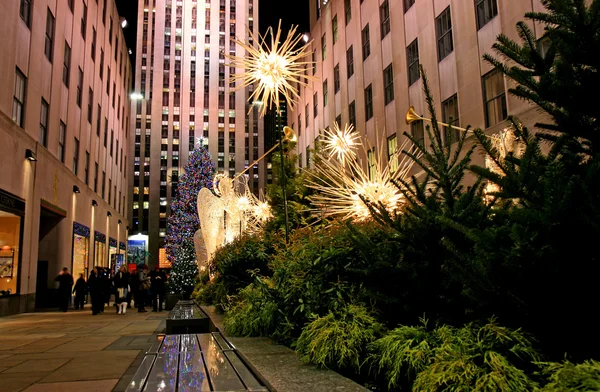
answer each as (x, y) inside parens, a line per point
(193, 362)
(187, 317)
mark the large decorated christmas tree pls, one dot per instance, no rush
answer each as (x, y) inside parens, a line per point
(183, 221)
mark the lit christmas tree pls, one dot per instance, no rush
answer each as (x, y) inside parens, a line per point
(185, 269)
(183, 221)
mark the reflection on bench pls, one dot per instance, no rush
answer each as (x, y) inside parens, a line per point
(193, 362)
(187, 317)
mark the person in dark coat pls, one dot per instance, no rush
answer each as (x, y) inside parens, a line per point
(95, 287)
(157, 286)
(121, 282)
(79, 291)
(65, 284)
(143, 287)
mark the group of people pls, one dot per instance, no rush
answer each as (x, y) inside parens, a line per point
(145, 288)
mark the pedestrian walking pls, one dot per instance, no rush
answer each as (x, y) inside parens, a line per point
(143, 287)
(121, 282)
(158, 280)
(79, 291)
(95, 287)
(65, 284)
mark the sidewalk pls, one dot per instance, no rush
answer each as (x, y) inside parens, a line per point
(72, 351)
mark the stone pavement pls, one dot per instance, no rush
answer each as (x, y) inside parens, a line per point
(74, 351)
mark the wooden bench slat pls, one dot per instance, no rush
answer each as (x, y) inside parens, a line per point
(189, 343)
(170, 344)
(252, 384)
(154, 349)
(139, 378)
(223, 343)
(192, 372)
(163, 376)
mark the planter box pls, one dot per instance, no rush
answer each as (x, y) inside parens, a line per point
(171, 300)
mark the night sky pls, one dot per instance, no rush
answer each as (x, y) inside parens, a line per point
(270, 11)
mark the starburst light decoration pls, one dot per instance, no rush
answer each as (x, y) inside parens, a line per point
(341, 143)
(346, 182)
(273, 66)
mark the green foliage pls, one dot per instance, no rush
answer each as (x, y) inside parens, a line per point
(567, 376)
(253, 312)
(471, 358)
(338, 339)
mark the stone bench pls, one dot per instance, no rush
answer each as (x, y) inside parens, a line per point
(193, 362)
(187, 317)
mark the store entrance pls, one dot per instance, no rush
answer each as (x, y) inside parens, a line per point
(47, 258)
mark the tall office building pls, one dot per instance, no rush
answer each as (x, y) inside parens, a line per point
(64, 121)
(367, 55)
(186, 93)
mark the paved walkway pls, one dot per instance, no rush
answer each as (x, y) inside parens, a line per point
(73, 351)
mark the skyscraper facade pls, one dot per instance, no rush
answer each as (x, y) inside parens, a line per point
(64, 131)
(187, 98)
(367, 55)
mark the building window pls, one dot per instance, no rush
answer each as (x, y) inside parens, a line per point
(352, 113)
(348, 10)
(334, 29)
(412, 57)
(323, 47)
(486, 11)
(79, 87)
(350, 61)
(75, 156)
(315, 104)
(366, 43)
(371, 163)
(314, 62)
(418, 132)
(450, 116)
(368, 102)
(384, 17)
(101, 70)
(84, 21)
(43, 136)
(392, 144)
(25, 11)
(19, 98)
(308, 157)
(96, 177)
(388, 84)
(443, 27)
(318, 8)
(408, 4)
(494, 98)
(325, 97)
(61, 141)
(306, 115)
(49, 44)
(110, 31)
(336, 78)
(87, 167)
(112, 138)
(90, 104)
(93, 44)
(67, 64)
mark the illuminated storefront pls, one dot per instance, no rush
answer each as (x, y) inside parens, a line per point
(81, 250)
(100, 250)
(12, 211)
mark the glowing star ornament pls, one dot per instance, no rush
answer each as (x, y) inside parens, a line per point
(273, 66)
(346, 185)
(341, 143)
